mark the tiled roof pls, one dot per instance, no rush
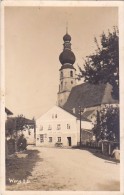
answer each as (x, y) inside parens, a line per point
(27, 121)
(87, 113)
(77, 115)
(89, 95)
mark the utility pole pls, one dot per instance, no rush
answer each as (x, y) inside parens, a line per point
(81, 111)
(80, 126)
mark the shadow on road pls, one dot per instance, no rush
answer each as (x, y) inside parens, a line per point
(18, 169)
(97, 153)
(110, 186)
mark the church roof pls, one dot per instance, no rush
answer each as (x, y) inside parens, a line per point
(77, 115)
(67, 56)
(89, 95)
(87, 113)
(8, 111)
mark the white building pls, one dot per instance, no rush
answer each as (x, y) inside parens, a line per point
(58, 125)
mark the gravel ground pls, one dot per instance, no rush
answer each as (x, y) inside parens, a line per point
(57, 169)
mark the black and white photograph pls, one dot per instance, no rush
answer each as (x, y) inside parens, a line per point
(61, 97)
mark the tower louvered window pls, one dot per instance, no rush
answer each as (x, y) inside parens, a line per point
(71, 73)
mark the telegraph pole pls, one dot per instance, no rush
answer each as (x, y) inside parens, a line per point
(81, 111)
(80, 126)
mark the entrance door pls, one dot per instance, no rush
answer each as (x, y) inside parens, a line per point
(69, 141)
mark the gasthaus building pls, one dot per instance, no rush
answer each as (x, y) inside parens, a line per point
(61, 124)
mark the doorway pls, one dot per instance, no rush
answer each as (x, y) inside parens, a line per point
(69, 141)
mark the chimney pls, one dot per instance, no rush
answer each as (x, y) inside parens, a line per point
(73, 110)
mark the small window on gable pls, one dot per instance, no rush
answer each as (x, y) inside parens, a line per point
(49, 127)
(58, 126)
(71, 73)
(68, 126)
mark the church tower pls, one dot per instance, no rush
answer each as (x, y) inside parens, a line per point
(67, 71)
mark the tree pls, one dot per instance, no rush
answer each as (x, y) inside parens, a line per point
(10, 126)
(103, 66)
(20, 122)
(107, 124)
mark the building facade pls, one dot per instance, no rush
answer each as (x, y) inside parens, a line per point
(59, 126)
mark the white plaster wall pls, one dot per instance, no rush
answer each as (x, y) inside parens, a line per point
(30, 138)
(63, 118)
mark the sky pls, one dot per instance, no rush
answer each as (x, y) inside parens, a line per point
(33, 43)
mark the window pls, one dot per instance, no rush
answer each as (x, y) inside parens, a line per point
(68, 126)
(58, 126)
(55, 115)
(52, 115)
(50, 139)
(59, 139)
(71, 73)
(41, 138)
(61, 74)
(49, 127)
(61, 85)
(71, 82)
(29, 132)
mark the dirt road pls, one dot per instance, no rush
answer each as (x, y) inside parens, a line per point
(70, 169)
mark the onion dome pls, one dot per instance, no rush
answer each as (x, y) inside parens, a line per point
(67, 56)
(67, 37)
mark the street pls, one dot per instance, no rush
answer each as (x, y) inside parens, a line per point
(59, 169)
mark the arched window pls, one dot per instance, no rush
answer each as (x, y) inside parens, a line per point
(71, 73)
(61, 85)
(61, 74)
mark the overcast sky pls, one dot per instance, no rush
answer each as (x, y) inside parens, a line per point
(33, 42)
